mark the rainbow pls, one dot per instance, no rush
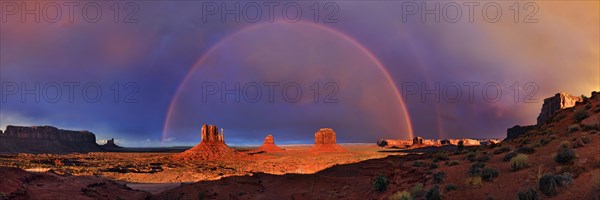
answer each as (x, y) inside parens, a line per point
(312, 25)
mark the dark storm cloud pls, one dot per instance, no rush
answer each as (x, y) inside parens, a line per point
(157, 52)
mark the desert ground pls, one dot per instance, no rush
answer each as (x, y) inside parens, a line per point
(154, 170)
(556, 159)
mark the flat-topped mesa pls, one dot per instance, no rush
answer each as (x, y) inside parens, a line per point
(553, 104)
(47, 133)
(210, 133)
(325, 136)
(46, 139)
(325, 141)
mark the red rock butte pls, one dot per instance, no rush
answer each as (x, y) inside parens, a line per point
(212, 146)
(269, 145)
(325, 141)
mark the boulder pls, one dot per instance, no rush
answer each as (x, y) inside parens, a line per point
(553, 104)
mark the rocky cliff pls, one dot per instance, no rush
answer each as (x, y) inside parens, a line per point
(210, 133)
(517, 130)
(325, 136)
(46, 139)
(325, 141)
(553, 104)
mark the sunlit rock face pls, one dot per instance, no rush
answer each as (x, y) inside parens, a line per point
(210, 133)
(325, 136)
(269, 145)
(212, 146)
(325, 141)
(553, 104)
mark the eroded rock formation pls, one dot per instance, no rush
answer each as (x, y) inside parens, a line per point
(269, 145)
(325, 141)
(553, 104)
(325, 136)
(210, 133)
(394, 143)
(110, 145)
(211, 147)
(46, 139)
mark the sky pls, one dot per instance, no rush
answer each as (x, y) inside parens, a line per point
(150, 73)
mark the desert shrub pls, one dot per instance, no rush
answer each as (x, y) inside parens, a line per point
(564, 144)
(453, 162)
(476, 169)
(530, 194)
(488, 174)
(580, 115)
(564, 155)
(586, 139)
(503, 149)
(544, 141)
(526, 150)
(518, 162)
(434, 193)
(474, 181)
(588, 106)
(438, 177)
(509, 156)
(401, 195)
(483, 158)
(433, 165)
(380, 184)
(417, 190)
(417, 163)
(597, 109)
(549, 183)
(575, 170)
(440, 156)
(573, 128)
(450, 187)
(471, 156)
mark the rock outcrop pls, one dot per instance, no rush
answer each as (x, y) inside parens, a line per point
(553, 104)
(110, 145)
(210, 133)
(325, 141)
(269, 145)
(46, 139)
(211, 147)
(394, 143)
(325, 136)
(517, 130)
